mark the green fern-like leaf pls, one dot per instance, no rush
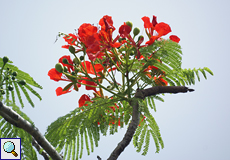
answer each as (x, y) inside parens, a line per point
(189, 75)
(82, 146)
(18, 93)
(33, 91)
(142, 136)
(26, 95)
(147, 140)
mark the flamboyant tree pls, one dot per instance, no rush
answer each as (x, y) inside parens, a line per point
(125, 75)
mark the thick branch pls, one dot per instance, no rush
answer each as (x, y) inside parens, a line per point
(9, 119)
(136, 115)
(165, 89)
(11, 116)
(129, 133)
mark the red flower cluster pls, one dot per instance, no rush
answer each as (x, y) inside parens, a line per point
(95, 41)
(104, 51)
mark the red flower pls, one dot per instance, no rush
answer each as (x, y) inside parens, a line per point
(161, 28)
(106, 32)
(96, 42)
(59, 91)
(106, 23)
(83, 99)
(174, 38)
(56, 76)
(88, 34)
(124, 30)
(148, 25)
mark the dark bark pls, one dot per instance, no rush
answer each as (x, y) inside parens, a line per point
(136, 115)
(12, 117)
(38, 147)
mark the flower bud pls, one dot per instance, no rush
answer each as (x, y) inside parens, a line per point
(5, 59)
(140, 37)
(72, 49)
(10, 87)
(14, 73)
(59, 67)
(130, 24)
(22, 82)
(76, 61)
(3, 92)
(136, 31)
(81, 58)
(65, 61)
(132, 53)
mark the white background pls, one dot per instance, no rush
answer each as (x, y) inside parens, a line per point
(193, 125)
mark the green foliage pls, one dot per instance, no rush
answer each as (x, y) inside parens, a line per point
(82, 127)
(8, 130)
(166, 55)
(147, 127)
(10, 75)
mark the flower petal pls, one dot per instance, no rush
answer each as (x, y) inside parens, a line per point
(174, 38)
(55, 75)
(162, 29)
(147, 23)
(59, 91)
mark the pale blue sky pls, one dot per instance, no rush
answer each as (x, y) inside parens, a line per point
(193, 125)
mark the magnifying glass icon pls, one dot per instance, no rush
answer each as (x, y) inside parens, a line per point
(9, 147)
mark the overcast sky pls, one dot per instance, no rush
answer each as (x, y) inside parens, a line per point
(193, 125)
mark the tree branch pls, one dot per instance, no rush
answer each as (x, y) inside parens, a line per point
(136, 115)
(12, 117)
(38, 147)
